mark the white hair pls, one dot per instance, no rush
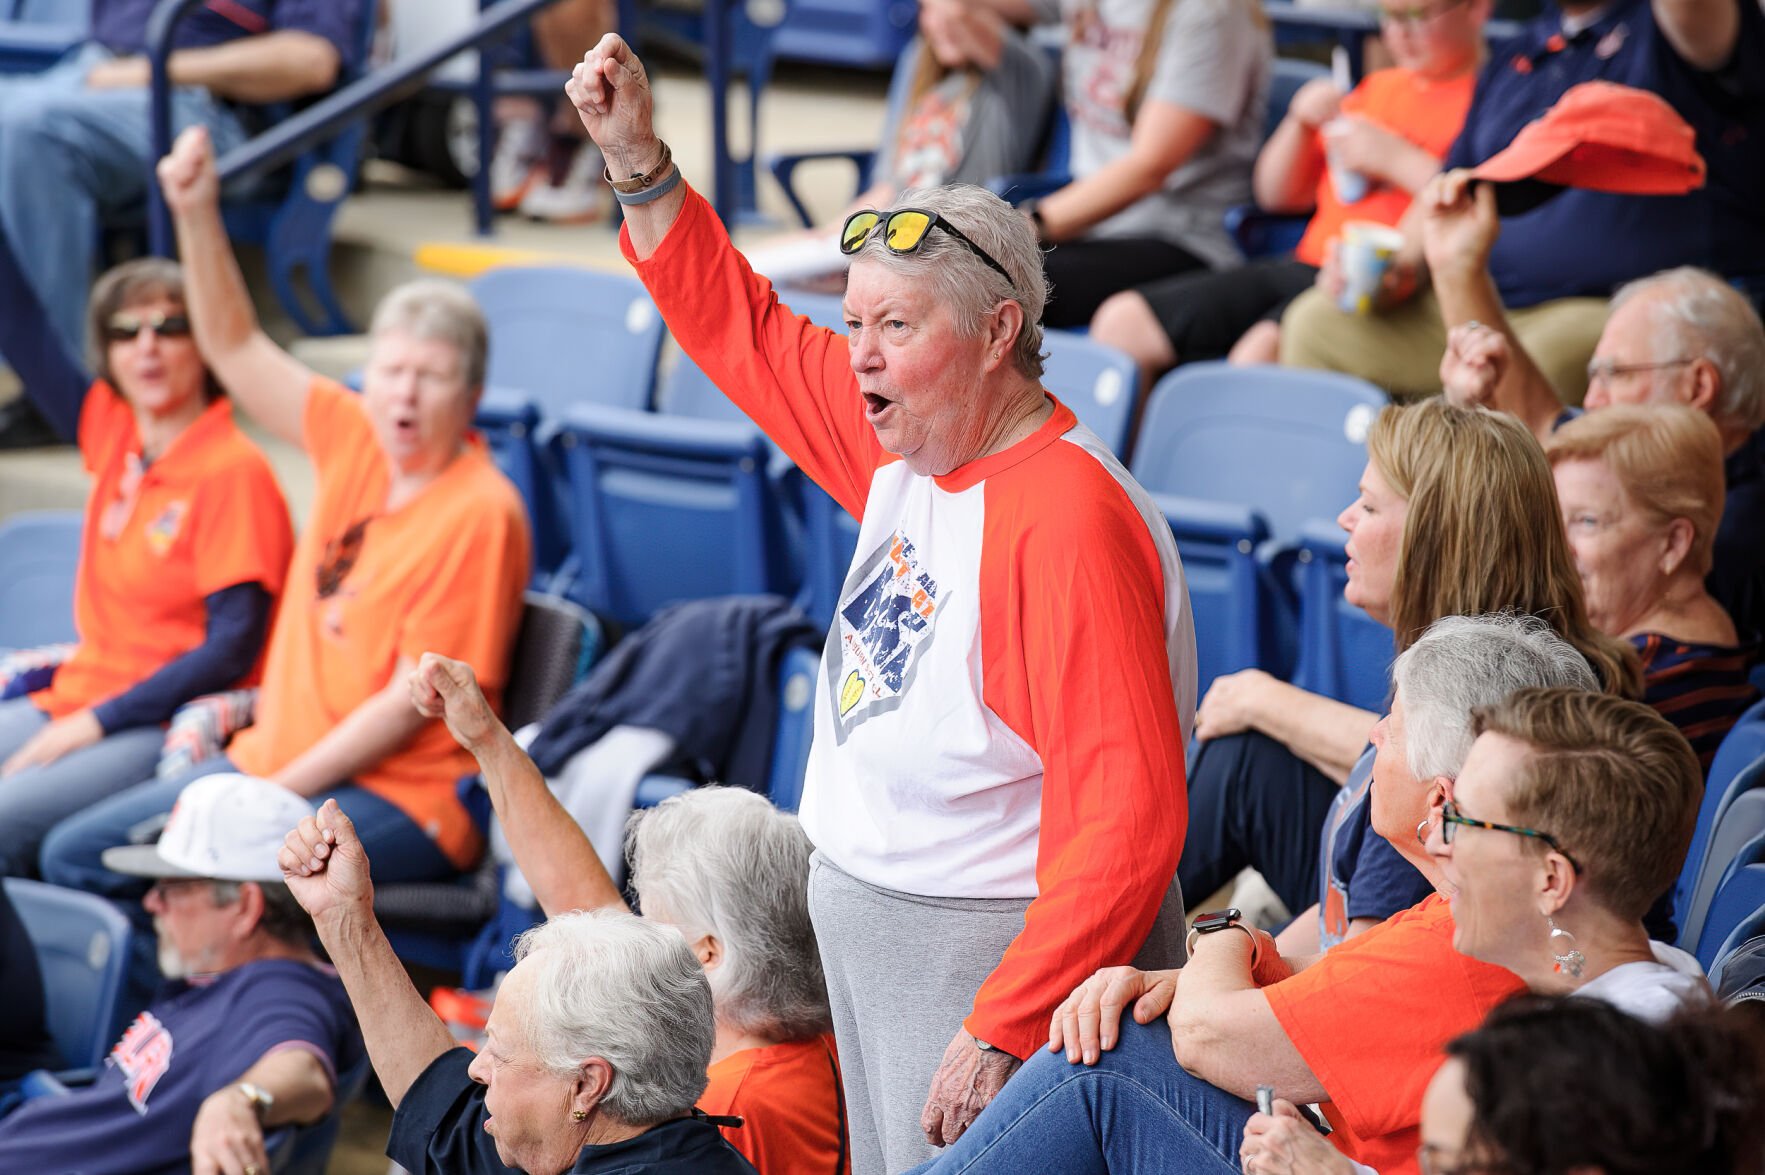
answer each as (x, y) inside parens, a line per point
(611, 985)
(723, 861)
(1462, 662)
(1710, 319)
(430, 308)
(962, 281)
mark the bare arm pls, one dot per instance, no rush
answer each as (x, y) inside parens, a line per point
(227, 1134)
(554, 854)
(369, 733)
(1328, 734)
(1165, 135)
(1224, 1030)
(611, 93)
(324, 865)
(272, 67)
(1288, 167)
(262, 378)
(1703, 32)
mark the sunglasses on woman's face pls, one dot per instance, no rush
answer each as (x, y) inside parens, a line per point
(126, 327)
(904, 231)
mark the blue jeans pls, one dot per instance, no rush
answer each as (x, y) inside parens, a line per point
(69, 158)
(1135, 1112)
(34, 800)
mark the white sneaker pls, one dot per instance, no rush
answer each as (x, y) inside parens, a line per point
(579, 197)
(517, 165)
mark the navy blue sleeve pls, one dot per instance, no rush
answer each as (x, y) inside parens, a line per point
(439, 1126)
(338, 21)
(238, 620)
(53, 379)
(279, 1004)
(1383, 882)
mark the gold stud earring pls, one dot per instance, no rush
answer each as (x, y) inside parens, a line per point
(579, 1115)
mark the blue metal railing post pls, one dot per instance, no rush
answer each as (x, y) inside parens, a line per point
(162, 26)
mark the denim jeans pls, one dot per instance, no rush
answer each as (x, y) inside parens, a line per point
(34, 800)
(1135, 1112)
(69, 158)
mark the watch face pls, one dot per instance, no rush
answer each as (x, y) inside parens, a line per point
(1217, 920)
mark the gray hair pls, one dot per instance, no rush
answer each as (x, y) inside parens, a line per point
(284, 919)
(430, 308)
(1710, 319)
(1462, 662)
(611, 985)
(723, 861)
(964, 282)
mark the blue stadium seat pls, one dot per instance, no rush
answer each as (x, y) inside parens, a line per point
(1728, 779)
(39, 556)
(1739, 817)
(82, 944)
(688, 391)
(511, 424)
(1738, 905)
(1343, 653)
(797, 677)
(565, 336)
(1099, 383)
(666, 508)
(1228, 592)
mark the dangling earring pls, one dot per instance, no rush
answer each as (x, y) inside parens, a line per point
(579, 1115)
(1569, 961)
(1423, 828)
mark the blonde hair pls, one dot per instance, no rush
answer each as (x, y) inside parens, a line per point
(1668, 457)
(1483, 532)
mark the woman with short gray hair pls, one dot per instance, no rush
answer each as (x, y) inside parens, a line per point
(1009, 677)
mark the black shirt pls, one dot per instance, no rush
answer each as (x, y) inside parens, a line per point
(439, 1130)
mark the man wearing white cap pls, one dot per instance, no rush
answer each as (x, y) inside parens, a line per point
(247, 1034)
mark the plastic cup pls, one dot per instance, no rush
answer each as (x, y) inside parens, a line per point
(1351, 186)
(1364, 254)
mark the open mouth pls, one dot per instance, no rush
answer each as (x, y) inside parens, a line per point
(875, 405)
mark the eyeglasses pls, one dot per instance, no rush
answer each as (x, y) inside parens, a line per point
(1418, 16)
(1450, 816)
(126, 328)
(904, 232)
(340, 556)
(1606, 369)
(169, 887)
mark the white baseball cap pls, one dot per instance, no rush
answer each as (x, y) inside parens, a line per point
(227, 827)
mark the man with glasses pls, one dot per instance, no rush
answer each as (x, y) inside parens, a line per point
(1555, 265)
(249, 1031)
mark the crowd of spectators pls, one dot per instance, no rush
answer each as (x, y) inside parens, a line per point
(971, 951)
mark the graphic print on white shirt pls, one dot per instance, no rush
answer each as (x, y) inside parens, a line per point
(886, 618)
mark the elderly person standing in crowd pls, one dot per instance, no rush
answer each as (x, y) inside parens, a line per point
(594, 1053)
(1641, 491)
(726, 869)
(415, 542)
(996, 787)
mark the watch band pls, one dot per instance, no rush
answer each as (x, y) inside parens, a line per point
(1255, 943)
(260, 1098)
(641, 180)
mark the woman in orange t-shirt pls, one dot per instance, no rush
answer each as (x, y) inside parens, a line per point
(182, 555)
(731, 872)
(414, 541)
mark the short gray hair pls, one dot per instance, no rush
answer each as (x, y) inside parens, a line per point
(430, 308)
(962, 281)
(611, 985)
(1462, 662)
(1710, 319)
(724, 861)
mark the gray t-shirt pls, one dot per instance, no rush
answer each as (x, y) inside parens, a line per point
(968, 128)
(1214, 60)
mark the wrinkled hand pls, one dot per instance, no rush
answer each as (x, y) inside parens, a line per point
(1315, 103)
(966, 1081)
(1363, 146)
(65, 734)
(187, 175)
(1459, 224)
(324, 863)
(1475, 362)
(1396, 287)
(611, 93)
(1233, 704)
(120, 73)
(447, 689)
(1283, 1143)
(1088, 1022)
(227, 1139)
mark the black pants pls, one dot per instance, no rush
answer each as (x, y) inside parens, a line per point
(1081, 274)
(1254, 803)
(1205, 314)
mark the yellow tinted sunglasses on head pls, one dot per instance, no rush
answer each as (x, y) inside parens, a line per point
(904, 231)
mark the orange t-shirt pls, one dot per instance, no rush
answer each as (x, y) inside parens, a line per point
(1371, 1017)
(788, 1096)
(443, 574)
(158, 540)
(1428, 113)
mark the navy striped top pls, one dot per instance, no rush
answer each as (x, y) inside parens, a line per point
(1701, 689)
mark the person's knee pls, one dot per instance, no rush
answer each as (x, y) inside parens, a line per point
(1126, 322)
(1260, 344)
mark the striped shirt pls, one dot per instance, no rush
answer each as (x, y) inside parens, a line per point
(1701, 689)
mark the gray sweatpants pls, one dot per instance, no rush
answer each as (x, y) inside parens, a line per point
(902, 972)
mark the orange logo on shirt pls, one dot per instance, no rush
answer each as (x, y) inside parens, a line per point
(162, 532)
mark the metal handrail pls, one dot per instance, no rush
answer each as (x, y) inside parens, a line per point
(288, 138)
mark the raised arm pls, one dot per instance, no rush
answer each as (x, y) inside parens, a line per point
(327, 871)
(611, 92)
(262, 378)
(277, 66)
(554, 854)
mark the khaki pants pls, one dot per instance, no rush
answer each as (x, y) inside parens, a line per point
(1400, 349)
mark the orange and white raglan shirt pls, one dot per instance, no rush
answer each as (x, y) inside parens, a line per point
(1010, 677)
